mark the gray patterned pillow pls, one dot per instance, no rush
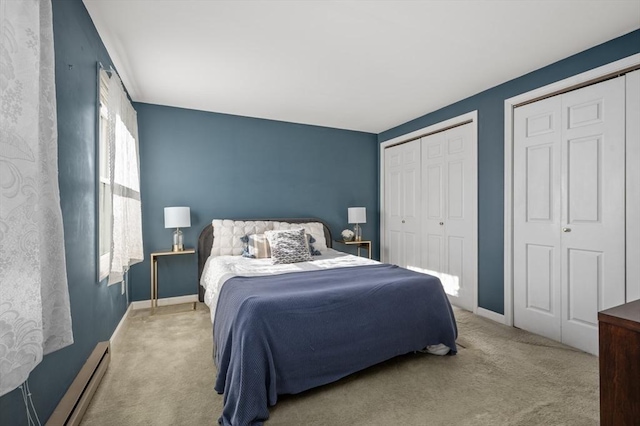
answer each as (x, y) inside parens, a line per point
(288, 246)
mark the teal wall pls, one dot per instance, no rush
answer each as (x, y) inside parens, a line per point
(226, 166)
(490, 106)
(95, 308)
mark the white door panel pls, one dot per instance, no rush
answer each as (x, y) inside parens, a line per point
(395, 246)
(539, 183)
(434, 253)
(450, 202)
(434, 193)
(411, 250)
(402, 204)
(536, 242)
(539, 281)
(633, 184)
(393, 192)
(455, 265)
(584, 269)
(593, 214)
(584, 174)
(455, 190)
(393, 204)
(433, 182)
(411, 194)
(569, 212)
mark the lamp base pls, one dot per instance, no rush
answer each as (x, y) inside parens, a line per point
(178, 241)
(357, 230)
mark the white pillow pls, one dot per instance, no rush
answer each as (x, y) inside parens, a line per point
(316, 229)
(227, 234)
(288, 246)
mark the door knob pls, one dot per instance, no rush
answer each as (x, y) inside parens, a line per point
(441, 223)
(403, 221)
(566, 229)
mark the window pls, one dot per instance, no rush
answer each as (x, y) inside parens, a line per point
(104, 175)
(119, 211)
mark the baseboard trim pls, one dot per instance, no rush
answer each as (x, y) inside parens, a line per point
(494, 316)
(146, 304)
(117, 333)
(76, 400)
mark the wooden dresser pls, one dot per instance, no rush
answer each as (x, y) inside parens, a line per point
(620, 365)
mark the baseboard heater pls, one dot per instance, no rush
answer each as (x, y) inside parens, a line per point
(73, 405)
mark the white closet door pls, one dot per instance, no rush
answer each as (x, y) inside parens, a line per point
(569, 212)
(402, 204)
(633, 185)
(536, 213)
(462, 212)
(434, 184)
(593, 208)
(449, 182)
(393, 204)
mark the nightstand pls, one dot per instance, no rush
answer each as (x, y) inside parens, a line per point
(362, 244)
(154, 272)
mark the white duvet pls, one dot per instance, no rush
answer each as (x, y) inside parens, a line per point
(218, 269)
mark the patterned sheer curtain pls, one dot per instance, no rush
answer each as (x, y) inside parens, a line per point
(126, 225)
(35, 317)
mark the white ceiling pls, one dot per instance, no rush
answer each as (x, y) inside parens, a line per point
(359, 65)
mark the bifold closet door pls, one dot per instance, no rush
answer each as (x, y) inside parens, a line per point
(633, 185)
(449, 210)
(569, 212)
(402, 204)
(536, 210)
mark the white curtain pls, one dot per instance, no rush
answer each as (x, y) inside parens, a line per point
(126, 225)
(35, 318)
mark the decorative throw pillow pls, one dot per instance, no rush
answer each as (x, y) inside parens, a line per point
(288, 246)
(316, 229)
(257, 246)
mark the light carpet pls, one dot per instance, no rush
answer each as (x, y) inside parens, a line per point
(162, 373)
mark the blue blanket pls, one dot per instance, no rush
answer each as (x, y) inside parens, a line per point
(287, 333)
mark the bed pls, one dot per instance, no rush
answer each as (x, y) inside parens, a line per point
(284, 329)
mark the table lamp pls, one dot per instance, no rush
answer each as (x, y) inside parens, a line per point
(177, 217)
(357, 215)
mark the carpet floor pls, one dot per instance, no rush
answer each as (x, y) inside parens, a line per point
(162, 373)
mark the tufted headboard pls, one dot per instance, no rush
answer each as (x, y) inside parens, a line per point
(205, 242)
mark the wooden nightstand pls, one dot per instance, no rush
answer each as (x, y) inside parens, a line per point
(362, 244)
(154, 272)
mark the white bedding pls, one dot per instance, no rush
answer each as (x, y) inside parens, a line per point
(218, 269)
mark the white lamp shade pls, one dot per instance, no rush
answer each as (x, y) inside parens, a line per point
(177, 217)
(357, 214)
